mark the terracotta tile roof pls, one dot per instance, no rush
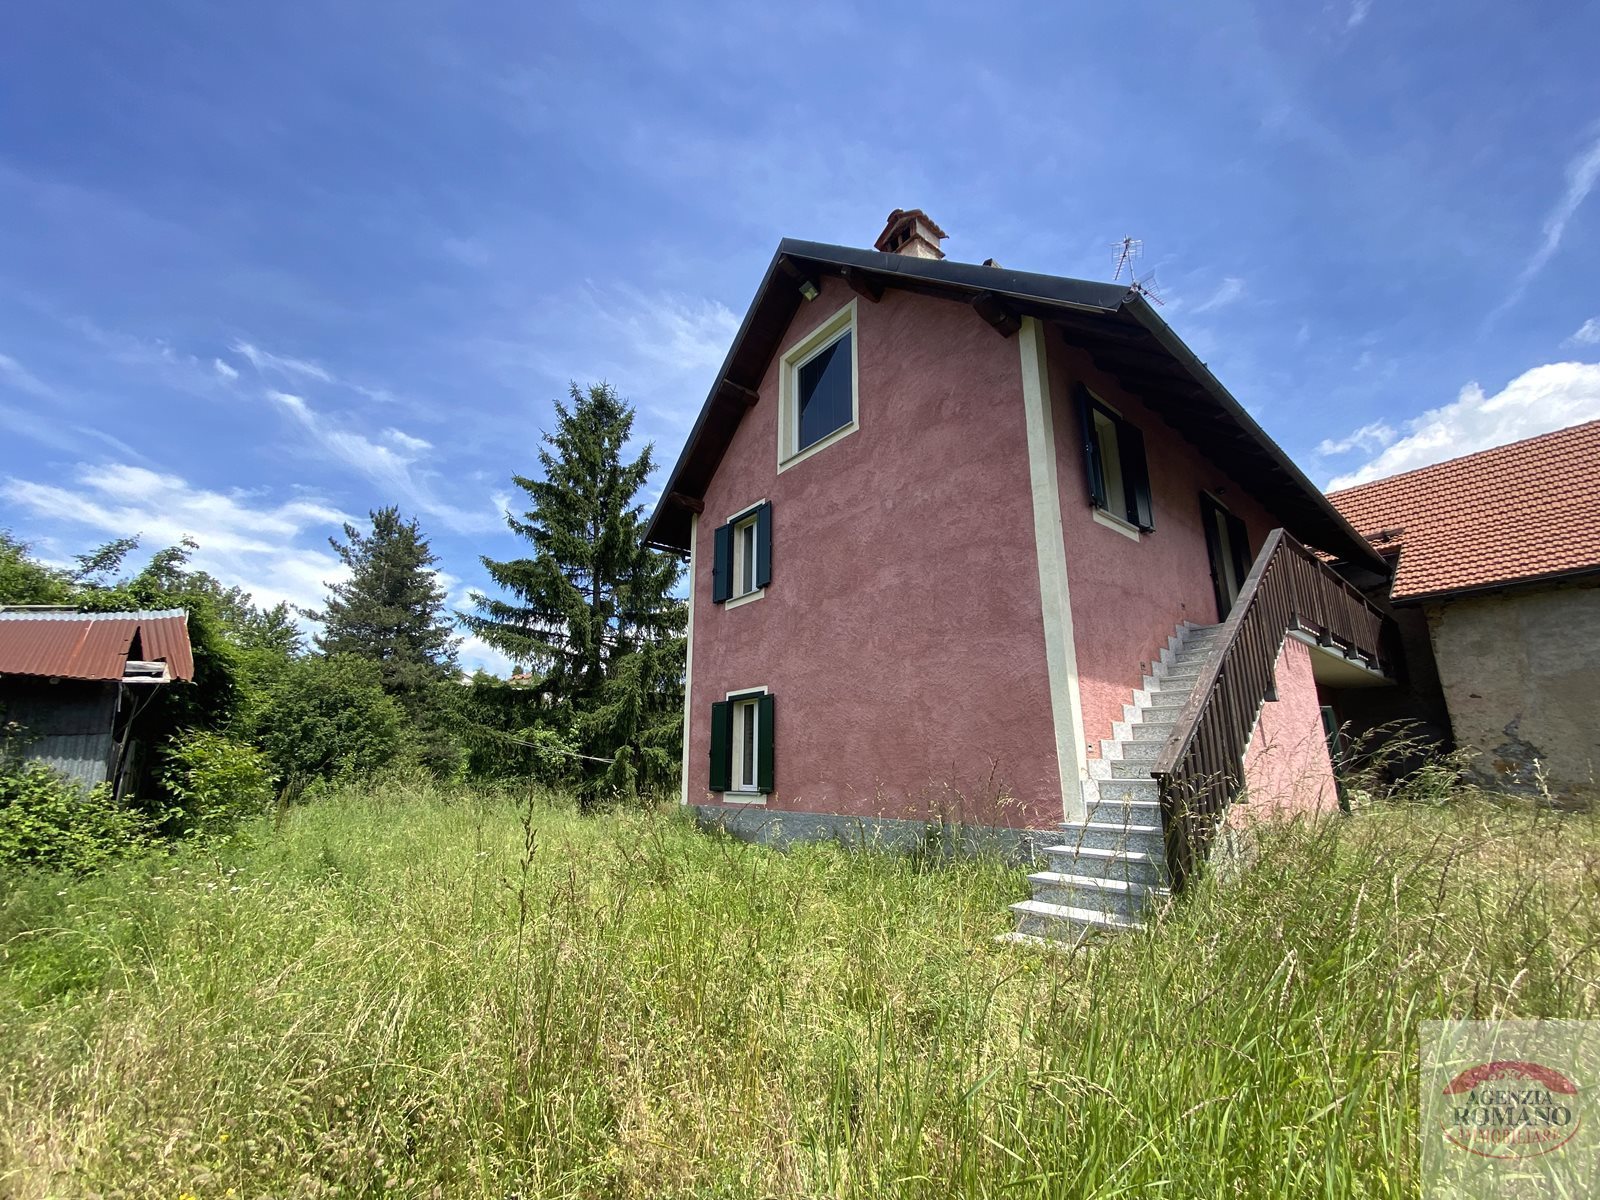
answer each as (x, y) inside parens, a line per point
(74, 645)
(1525, 511)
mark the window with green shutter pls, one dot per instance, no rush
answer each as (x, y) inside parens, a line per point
(743, 736)
(1114, 463)
(742, 562)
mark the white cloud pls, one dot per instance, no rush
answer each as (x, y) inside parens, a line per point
(1228, 291)
(263, 360)
(242, 541)
(1358, 13)
(475, 653)
(21, 379)
(393, 467)
(1582, 172)
(407, 443)
(1369, 438)
(1549, 397)
(223, 369)
(1588, 334)
(660, 350)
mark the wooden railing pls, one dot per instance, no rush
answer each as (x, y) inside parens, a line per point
(1201, 768)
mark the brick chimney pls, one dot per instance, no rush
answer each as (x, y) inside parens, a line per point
(911, 231)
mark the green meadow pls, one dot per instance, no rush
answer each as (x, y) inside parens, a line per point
(402, 992)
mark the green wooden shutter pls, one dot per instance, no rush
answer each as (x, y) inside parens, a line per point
(1243, 560)
(722, 564)
(1209, 509)
(766, 739)
(1135, 476)
(1091, 449)
(721, 778)
(764, 545)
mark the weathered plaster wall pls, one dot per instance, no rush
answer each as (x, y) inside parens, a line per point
(1127, 596)
(902, 636)
(1286, 766)
(1521, 674)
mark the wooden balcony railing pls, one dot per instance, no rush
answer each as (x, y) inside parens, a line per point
(1201, 768)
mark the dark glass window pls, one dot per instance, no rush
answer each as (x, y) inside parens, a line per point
(747, 760)
(825, 387)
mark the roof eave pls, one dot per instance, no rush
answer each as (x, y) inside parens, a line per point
(1527, 583)
(1034, 294)
(1147, 316)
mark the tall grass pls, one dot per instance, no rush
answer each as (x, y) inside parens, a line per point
(405, 994)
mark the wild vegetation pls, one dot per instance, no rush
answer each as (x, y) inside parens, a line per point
(590, 617)
(363, 931)
(409, 992)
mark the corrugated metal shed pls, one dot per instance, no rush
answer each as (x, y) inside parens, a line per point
(69, 725)
(74, 645)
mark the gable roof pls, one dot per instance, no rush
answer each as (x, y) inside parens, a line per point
(1113, 323)
(1518, 513)
(74, 645)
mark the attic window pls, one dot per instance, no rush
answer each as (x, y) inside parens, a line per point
(817, 393)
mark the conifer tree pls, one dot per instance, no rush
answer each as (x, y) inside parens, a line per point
(391, 609)
(592, 608)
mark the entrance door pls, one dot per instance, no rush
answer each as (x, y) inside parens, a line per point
(1228, 547)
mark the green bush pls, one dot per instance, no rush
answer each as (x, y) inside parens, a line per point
(50, 823)
(328, 718)
(213, 783)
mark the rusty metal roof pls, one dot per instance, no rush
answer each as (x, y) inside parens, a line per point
(75, 645)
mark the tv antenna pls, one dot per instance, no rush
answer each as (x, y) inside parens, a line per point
(1129, 250)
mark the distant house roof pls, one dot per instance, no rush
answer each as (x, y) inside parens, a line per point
(98, 646)
(1127, 338)
(1516, 514)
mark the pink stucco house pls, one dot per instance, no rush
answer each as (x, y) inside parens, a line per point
(977, 549)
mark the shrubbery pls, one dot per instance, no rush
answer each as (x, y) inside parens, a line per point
(50, 823)
(328, 718)
(213, 783)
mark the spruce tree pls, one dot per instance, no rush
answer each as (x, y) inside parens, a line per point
(391, 610)
(592, 608)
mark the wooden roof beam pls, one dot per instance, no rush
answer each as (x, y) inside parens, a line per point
(1087, 330)
(862, 284)
(692, 503)
(743, 396)
(994, 310)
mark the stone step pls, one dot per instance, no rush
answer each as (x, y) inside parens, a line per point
(1141, 752)
(1120, 791)
(1131, 770)
(1173, 700)
(1113, 810)
(1061, 922)
(1110, 835)
(1152, 730)
(1111, 896)
(1129, 866)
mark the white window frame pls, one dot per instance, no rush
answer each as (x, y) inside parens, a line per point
(1111, 518)
(744, 519)
(744, 701)
(813, 344)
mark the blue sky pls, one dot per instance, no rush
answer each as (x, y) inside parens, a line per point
(266, 266)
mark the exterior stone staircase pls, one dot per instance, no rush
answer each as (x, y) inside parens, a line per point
(1106, 870)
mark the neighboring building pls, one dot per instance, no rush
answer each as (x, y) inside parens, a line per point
(77, 682)
(959, 538)
(1498, 571)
